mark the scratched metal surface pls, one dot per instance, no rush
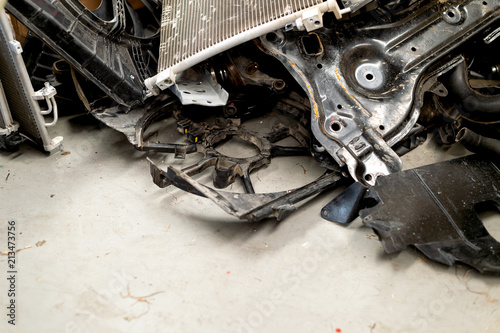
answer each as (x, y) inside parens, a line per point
(189, 27)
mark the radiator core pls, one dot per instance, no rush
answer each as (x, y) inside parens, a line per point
(194, 30)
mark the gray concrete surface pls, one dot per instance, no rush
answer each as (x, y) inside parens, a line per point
(117, 254)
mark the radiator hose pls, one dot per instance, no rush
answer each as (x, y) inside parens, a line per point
(473, 105)
(477, 143)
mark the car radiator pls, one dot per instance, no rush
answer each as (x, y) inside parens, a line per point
(192, 31)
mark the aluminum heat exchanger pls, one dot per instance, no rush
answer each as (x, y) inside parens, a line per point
(192, 31)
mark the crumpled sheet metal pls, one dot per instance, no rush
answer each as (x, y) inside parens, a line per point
(433, 208)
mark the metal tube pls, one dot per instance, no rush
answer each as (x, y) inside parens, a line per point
(49, 107)
(53, 106)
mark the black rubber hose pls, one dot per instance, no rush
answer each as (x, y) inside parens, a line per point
(477, 143)
(473, 105)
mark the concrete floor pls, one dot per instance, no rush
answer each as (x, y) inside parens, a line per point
(122, 255)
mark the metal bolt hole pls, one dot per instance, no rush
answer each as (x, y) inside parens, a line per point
(271, 37)
(335, 126)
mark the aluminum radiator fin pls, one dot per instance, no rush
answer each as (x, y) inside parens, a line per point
(190, 27)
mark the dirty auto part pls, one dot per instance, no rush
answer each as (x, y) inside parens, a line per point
(18, 94)
(364, 76)
(345, 207)
(479, 144)
(437, 212)
(416, 137)
(470, 103)
(133, 123)
(246, 206)
(464, 103)
(113, 46)
(366, 83)
(228, 168)
(249, 206)
(195, 31)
